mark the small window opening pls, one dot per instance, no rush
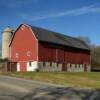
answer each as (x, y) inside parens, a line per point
(28, 53)
(17, 54)
(30, 63)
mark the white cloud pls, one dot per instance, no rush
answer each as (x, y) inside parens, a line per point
(75, 12)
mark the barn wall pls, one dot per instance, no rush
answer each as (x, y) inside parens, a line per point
(24, 47)
(63, 55)
(76, 55)
(46, 53)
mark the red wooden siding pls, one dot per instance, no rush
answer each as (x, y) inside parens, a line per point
(46, 53)
(77, 56)
(23, 42)
(60, 55)
(64, 55)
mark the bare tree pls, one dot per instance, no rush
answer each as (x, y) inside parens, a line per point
(95, 52)
(85, 39)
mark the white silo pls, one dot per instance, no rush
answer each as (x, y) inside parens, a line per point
(6, 38)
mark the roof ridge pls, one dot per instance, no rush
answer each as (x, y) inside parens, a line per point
(72, 41)
(56, 32)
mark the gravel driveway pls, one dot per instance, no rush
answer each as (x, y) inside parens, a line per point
(20, 89)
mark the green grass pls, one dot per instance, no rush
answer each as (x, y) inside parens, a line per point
(87, 80)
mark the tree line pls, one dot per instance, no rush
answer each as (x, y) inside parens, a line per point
(95, 53)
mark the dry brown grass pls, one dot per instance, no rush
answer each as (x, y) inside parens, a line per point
(88, 80)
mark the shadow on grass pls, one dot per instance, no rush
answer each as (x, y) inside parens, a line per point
(52, 93)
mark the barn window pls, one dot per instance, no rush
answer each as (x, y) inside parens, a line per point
(23, 27)
(57, 64)
(43, 64)
(70, 65)
(30, 63)
(50, 63)
(28, 53)
(17, 54)
(75, 65)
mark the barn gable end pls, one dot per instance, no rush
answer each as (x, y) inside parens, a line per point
(24, 47)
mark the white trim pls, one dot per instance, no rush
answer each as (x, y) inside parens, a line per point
(18, 67)
(14, 34)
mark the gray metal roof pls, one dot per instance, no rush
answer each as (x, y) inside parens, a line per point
(57, 38)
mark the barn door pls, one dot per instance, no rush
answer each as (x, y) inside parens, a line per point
(18, 67)
(85, 67)
(13, 67)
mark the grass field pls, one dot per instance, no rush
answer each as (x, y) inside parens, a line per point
(84, 80)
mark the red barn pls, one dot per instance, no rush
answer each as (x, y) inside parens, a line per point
(34, 48)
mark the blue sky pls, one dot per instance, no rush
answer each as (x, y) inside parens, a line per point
(71, 17)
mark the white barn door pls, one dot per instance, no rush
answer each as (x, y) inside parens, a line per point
(18, 67)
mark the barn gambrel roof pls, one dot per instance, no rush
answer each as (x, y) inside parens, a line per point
(45, 35)
(57, 38)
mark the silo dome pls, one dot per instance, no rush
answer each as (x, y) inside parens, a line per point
(8, 29)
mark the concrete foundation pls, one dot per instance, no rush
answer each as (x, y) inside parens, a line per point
(49, 66)
(53, 67)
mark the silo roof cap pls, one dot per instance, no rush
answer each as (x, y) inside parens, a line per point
(8, 29)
